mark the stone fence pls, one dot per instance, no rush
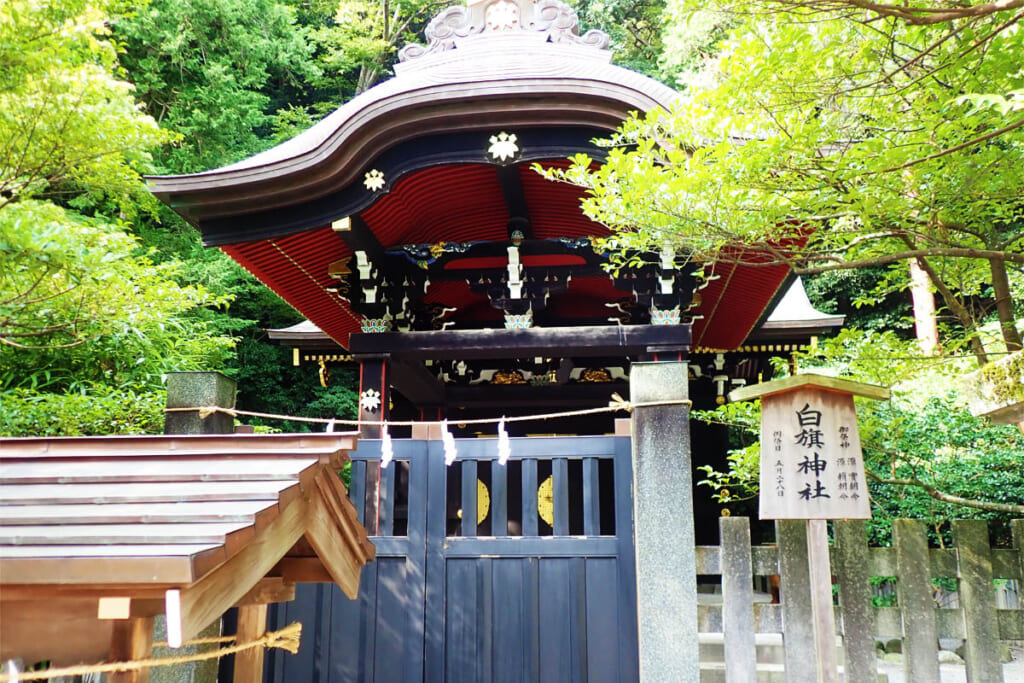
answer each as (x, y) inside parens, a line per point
(976, 619)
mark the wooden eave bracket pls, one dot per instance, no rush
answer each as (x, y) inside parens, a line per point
(322, 513)
(337, 536)
(190, 608)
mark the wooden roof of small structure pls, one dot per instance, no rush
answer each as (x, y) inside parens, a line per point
(823, 382)
(186, 526)
(430, 173)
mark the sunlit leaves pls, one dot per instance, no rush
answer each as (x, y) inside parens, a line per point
(100, 411)
(82, 307)
(67, 121)
(77, 298)
(205, 69)
(877, 139)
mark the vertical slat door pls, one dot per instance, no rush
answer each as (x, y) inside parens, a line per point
(591, 497)
(499, 500)
(546, 605)
(469, 495)
(379, 636)
(464, 600)
(529, 509)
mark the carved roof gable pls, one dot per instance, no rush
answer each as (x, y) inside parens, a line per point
(552, 18)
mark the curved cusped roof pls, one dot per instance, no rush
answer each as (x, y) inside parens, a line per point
(429, 175)
(479, 74)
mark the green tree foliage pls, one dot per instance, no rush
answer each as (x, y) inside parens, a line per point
(233, 77)
(636, 29)
(101, 411)
(80, 305)
(58, 89)
(363, 38)
(216, 72)
(83, 310)
(832, 137)
(935, 462)
(927, 457)
(690, 40)
(847, 138)
(865, 296)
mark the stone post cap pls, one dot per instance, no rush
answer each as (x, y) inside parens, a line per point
(198, 389)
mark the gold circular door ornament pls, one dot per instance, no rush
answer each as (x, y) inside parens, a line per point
(546, 501)
(483, 501)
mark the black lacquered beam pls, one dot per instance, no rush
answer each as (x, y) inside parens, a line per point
(605, 340)
(552, 396)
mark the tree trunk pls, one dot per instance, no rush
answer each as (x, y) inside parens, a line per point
(957, 308)
(1004, 304)
(368, 75)
(924, 309)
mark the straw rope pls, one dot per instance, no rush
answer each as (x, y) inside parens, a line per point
(285, 639)
(616, 404)
(199, 641)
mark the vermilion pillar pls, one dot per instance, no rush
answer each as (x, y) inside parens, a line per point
(374, 406)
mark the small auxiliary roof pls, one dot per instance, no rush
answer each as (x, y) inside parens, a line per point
(183, 526)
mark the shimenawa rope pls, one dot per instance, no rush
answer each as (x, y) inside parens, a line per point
(617, 403)
(285, 639)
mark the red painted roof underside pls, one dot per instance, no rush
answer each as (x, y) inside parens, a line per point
(464, 203)
(460, 203)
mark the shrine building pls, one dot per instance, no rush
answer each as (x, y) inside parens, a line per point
(411, 229)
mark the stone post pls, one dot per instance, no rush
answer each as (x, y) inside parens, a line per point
(194, 390)
(666, 571)
(198, 390)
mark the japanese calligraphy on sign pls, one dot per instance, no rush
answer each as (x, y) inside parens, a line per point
(811, 464)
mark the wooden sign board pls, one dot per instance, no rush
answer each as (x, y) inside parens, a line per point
(811, 462)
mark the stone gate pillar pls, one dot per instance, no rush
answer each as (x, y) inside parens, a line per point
(666, 572)
(188, 390)
(193, 390)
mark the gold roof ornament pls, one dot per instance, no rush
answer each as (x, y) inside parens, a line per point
(508, 377)
(595, 376)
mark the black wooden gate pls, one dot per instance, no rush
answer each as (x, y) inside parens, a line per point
(538, 585)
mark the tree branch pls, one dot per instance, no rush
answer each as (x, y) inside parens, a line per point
(935, 15)
(1006, 508)
(883, 259)
(4, 340)
(964, 145)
